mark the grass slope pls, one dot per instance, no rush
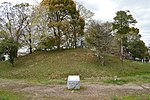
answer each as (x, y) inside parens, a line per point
(57, 65)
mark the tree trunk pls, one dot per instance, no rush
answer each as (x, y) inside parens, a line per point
(30, 44)
(75, 41)
(59, 38)
(59, 43)
(75, 38)
(30, 49)
(15, 54)
(121, 51)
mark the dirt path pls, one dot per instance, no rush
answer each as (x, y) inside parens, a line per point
(60, 92)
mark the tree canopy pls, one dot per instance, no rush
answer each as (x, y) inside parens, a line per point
(65, 22)
(138, 49)
(123, 29)
(99, 37)
(59, 24)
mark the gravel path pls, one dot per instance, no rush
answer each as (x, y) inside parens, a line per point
(88, 92)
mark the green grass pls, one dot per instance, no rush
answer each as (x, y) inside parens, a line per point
(138, 97)
(55, 66)
(118, 82)
(9, 95)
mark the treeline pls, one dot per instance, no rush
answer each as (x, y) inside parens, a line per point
(64, 24)
(53, 24)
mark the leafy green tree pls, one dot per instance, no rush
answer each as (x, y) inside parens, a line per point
(64, 22)
(99, 36)
(121, 26)
(74, 31)
(127, 39)
(9, 46)
(138, 49)
(48, 43)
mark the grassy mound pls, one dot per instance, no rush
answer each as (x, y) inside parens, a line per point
(57, 65)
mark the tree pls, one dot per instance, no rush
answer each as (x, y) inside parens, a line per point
(138, 49)
(121, 27)
(14, 21)
(74, 30)
(58, 13)
(9, 46)
(127, 39)
(64, 22)
(38, 30)
(99, 36)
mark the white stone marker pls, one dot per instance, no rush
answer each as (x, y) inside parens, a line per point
(73, 82)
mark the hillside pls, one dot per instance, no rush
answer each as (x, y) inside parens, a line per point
(57, 65)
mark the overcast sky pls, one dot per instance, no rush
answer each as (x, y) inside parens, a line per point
(105, 10)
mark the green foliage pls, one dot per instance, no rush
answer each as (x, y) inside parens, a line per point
(123, 30)
(122, 22)
(48, 43)
(99, 37)
(10, 47)
(138, 49)
(14, 23)
(65, 21)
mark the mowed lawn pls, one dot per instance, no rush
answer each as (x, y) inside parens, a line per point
(11, 95)
(55, 66)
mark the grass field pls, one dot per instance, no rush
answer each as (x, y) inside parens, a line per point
(137, 97)
(10, 95)
(55, 66)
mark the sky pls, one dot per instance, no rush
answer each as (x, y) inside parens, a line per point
(105, 10)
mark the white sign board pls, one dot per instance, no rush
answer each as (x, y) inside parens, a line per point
(73, 82)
